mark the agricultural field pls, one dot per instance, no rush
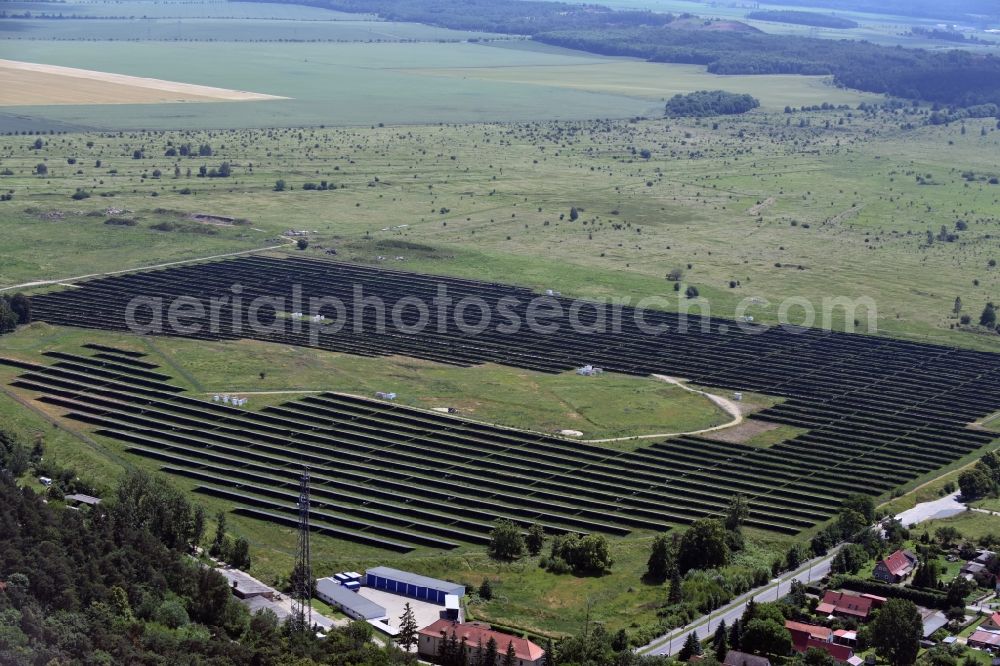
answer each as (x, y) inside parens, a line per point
(361, 83)
(25, 84)
(179, 9)
(239, 30)
(886, 29)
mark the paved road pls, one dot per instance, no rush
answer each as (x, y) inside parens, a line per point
(705, 626)
(812, 571)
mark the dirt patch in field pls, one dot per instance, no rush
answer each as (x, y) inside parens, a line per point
(27, 83)
(741, 433)
(220, 220)
(766, 203)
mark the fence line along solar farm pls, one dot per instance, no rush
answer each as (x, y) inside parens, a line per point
(877, 413)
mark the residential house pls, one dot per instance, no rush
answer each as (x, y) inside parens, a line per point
(984, 639)
(737, 658)
(992, 622)
(477, 634)
(805, 636)
(896, 567)
(845, 604)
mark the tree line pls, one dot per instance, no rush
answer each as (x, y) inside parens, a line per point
(516, 17)
(709, 103)
(115, 585)
(14, 311)
(958, 78)
(803, 18)
(966, 9)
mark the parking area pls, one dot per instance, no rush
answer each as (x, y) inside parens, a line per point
(425, 613)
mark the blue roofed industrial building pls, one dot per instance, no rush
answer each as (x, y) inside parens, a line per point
(412, 585)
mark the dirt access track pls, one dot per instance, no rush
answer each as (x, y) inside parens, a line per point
(28, 83)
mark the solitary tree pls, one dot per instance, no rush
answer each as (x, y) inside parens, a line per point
(407, 636)
(41, 169)
(974, 483)
(703, 546)
(896, 632)
(737, 513)
(218, 544)
(766, 636)
(676, 592)
(988, 318)
(661, 559)
(21, 305)
(491, 654)
(535, 539)
(279, 185)
(691, 648)
(736, 634)
(239, 554)
(506, 541)
(486, 590)
(8, 320)
(510, 659)
(198, 525)
(720, 642)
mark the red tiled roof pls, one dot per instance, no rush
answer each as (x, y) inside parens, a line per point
(897, 563)
(845, 603)
(803, 635)
(473, 632)
(812, 630)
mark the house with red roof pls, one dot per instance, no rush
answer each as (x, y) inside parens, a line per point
(476, 636)
(845, 604)
(992, 622)
(896, 567)
(805, 636)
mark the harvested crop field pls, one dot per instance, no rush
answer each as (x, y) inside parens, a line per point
(26, 83)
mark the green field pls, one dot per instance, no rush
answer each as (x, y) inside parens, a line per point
(338, 29)
(401, 83)
(159, 9)
(887, 29)
(756, 209)
(809, 212)
(609, 406)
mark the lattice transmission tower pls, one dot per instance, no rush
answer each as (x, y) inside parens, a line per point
(302, 583)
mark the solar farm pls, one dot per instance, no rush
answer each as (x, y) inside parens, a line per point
(877, 413)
